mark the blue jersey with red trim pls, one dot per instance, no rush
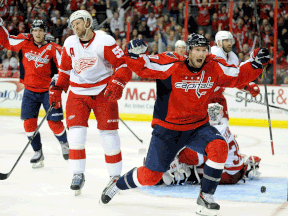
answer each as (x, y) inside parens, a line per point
(183, 92)
(38, 64)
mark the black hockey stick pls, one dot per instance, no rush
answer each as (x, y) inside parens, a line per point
(264, 76)
(131, 130)
(254, 101)
(4, 176)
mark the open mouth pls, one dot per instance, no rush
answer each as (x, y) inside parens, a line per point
(199, 60)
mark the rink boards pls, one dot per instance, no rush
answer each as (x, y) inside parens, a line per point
(138, 100)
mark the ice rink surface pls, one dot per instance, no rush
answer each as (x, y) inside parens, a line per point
(46, 191)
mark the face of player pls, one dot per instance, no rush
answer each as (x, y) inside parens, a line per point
(227, 45)
(180, 50)
(38, 35)
(79, 27)
(197, 56)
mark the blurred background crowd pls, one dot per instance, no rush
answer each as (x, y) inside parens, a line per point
(158, 22)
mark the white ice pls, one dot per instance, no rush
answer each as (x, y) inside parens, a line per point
(46, 191)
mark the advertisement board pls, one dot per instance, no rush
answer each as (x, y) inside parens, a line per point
(138, 100)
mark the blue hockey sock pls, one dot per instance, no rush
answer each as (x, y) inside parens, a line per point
(128, 181)
(211, 177)
(36, 142)
(62, 137)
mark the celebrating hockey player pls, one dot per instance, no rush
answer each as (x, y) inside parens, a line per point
(225, 41)
(86, 65)
(180, 114)
(38, 63)
(188, 165)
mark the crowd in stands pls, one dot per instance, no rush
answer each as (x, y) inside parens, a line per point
(158, 22)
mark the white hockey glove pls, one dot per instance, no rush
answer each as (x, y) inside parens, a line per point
(253, 167)
(136, 47)
(215, 112)
(1, 22)
(178, 173)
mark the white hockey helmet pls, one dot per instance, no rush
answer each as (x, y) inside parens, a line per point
(180, 43)
(85, 15)
(222, 35)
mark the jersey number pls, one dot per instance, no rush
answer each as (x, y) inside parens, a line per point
(118, 52)
(236, 151)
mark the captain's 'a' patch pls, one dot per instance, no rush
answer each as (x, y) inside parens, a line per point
(170, 54)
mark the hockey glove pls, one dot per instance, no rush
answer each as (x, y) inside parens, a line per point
(55, 93)
(253, 89)
(114, 89)
(261, 57)
(136, 47)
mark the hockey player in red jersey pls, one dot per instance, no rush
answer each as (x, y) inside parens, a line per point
(87, 64)
(38, 63)
(180, 113)
(188, 165)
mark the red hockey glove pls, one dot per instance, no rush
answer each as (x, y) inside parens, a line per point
(114, 89)
(55, 96)
(253, 89)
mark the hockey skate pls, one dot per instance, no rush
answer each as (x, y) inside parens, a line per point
(110, 190)
(207, 205)
(77, 183)
(37, 159)
(65, 150)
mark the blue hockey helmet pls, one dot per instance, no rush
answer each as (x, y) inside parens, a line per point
(195, 40)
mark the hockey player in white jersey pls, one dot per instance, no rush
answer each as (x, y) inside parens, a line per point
(87, 63)
(225, 41)
(188, 165)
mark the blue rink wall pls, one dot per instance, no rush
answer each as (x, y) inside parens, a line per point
(276, 191)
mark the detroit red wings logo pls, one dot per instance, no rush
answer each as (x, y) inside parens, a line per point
(84, 64)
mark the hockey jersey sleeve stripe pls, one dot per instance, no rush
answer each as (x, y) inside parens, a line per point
(229, 70)
(214, 165)
(156, 66)
(234, 168)
(13, 41)
(58, 57)
(86, 85)
(66, 72)
(121, 66)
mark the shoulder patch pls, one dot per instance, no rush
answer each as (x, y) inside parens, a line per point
(153, 56)
(170, 54)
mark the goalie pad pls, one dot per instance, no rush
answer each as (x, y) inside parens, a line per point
(177, 174)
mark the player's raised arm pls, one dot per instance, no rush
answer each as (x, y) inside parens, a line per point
(159, 66)
(231, 76)
(10, 42)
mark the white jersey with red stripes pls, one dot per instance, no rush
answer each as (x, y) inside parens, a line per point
(234, 161)
(90, 65)
(231, 57)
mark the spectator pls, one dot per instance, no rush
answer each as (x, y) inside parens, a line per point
(241, 57)
(144, 29)
(57, 30)
(241, 34)
(56, 16)
(161, 47)
(117, 35)
(9, 62)
(171, 38)
(154, 50)
(151, 23)
(158, 8)
(224, 18)
(204, 15)
(169, 48)
(116, 20)
(180, 47)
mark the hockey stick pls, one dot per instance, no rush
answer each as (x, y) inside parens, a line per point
(4, 176)
(131, 130)
(264, 77)
(254, 101)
